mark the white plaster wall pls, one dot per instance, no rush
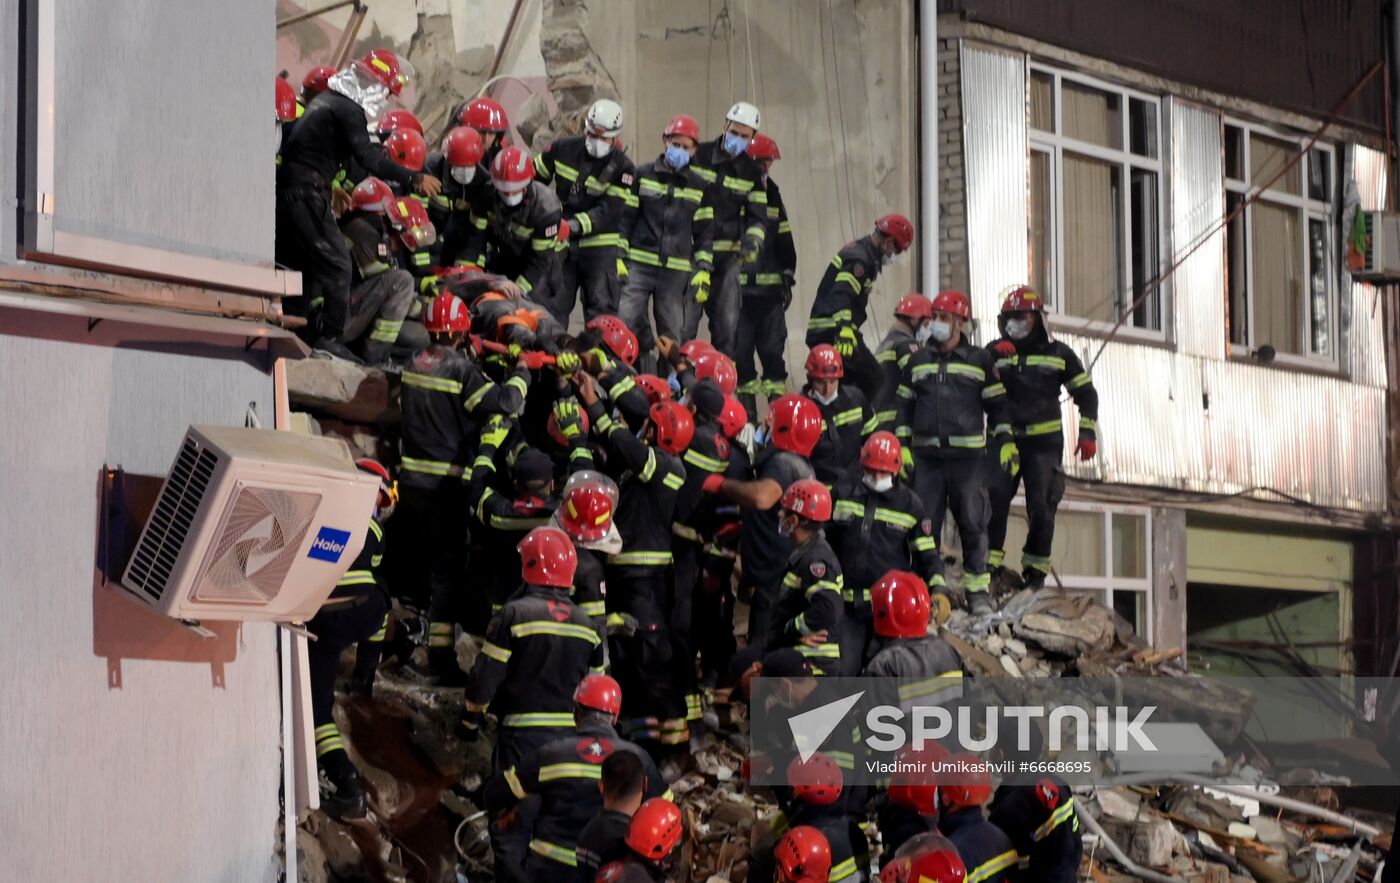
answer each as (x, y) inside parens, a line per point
(169, 777)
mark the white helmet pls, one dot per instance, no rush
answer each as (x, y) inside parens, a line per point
(744, 114)
(605, 116)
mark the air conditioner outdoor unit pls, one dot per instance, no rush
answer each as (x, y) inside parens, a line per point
(251, 524)
(1382, 255)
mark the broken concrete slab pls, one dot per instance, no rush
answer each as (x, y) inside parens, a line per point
(353, 393)
(1152, 843)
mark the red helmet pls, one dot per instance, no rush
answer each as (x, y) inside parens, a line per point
(733, 417)
(408, 217)
(512, 170)
(388, 488)
(675, 426)
(898, 228)
(587, 506)
(317, 80)
(1022, 299)
(971, 785)
(463, 147)
(407, 148)
(393, 120)
(286, 101)
(600, 693)
(809, 498)
(617, 337)
(484, 115)
(691, 349)
(914, 306)
(818, 781)
(371, 195)
(797, 424)
(900, 606)
(547, 558)
(914, 786)
(387, 68)
(715, 365)
(763, 147)
(655, 829)
(824, 363)
(930, 866)
(881, 452)
(954, 302)
(803, 856)
(681, 124)
(447, 313)
(552, 427)
(657, 390)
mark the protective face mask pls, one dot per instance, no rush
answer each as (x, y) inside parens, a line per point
(879, 483)
(735, 144)
(761, 436)
(463, 174)
(1018, 329)
(277, 139)
(887, 259)
(673, 380)
(677, 157)
(924, 333)
(512, 198)
(597, 147)
(826, 400)
(785, 527)
(941, 331)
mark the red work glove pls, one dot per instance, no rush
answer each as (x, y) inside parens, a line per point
(536, 361)
(1087, 448)
(563, 231)
(1004, 348)
(712, 483)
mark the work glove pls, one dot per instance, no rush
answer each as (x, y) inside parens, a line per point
(468, 728)
(906, 462)
(513, 351)
(1087, 448)
(1010, 458)
(493, 436)
(846, 341)
(750, 247)
(712, 483)
(700, 286)
(1004, 348)
(565, 230)
(566, 417)
(621, 269)
(567, 362)
(622, 625)
(575, 228)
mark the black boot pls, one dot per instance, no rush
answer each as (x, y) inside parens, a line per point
(979, 603)
(443, 670)
(336, 350)
(342, 792)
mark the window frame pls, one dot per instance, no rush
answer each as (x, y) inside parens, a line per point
(1054, 144)
(1308, 209)
(1108, 583)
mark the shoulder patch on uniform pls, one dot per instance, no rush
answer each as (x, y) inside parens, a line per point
(926, 526)
(560, 612)
(1048, 793)
(551, 230)
(818, 569)
(383, 250)
(594, 750)
(627, 178)
(721, 447)
(857, 270)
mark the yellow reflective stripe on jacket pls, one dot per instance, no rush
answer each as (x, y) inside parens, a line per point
(640, 559)
(357, 578)
(847, 417)
(554, 852)
(992, 866)
(1078, 380)
(994, 390)
(707, 463)
(427, 381)
(1044, 362)
(1057, 818)
(430, 467)
(491, 651)
(895, 517)
(1048, 427)
(848, 279)
(560, 720)
(475, 398)
(594, 608)
(842, 871)
(829, 650)
(555, 771)
(558, 629)
(673, 481)
(513, 780)
(949, 680)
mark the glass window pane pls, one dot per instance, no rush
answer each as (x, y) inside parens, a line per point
(1234, 153)
(1042, 207)
(1319, 175)
(1132, 606)
(1278, 274)
(1092, 235)
(1266, 157)
(1318, 271)
(1042, 95)
(1142, 127)
(1147, 294)
(1130, 546)
(1078, 547)
(1237, 272)
(1091, 115)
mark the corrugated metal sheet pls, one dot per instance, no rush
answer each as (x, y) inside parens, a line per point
(1197, 205)
(1366, 349)
(994, 144)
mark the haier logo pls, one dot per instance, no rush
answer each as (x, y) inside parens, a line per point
(329, 544)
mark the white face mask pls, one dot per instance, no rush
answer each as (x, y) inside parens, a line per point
(941, 331)
(785, 527)
(924, 333)
(826, 400)
(1018, 329)
(879, 483)
(277, 139)
(597, 147)
(512, 198)
(463, 174)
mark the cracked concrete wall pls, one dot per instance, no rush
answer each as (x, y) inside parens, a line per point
(835, 80)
